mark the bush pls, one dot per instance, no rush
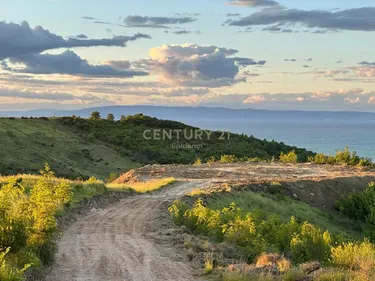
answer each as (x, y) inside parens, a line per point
(342, 157)
(311, 243)
(358, 256)
(254, 233)
(228, 159)
(291, 157)
(360, 206)
(28, 219)
(9, 273)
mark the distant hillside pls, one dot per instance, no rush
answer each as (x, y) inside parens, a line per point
(77, 147)
(128, 137)
(25, 145)
(184, 114)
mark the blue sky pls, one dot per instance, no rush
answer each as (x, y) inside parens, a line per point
(269, 54)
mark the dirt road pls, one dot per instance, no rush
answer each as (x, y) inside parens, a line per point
(114, 244)
(124, 242)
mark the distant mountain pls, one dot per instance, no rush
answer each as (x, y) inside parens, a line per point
(185, 114)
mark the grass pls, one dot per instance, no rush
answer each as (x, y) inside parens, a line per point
(284, 207)
(70, 155)
(143, 187)
(81, 189)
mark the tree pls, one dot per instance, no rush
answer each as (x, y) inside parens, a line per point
(110, 117)
(95, 115)
(123, 118)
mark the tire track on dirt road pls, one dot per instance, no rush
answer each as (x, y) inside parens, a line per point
(112, 244)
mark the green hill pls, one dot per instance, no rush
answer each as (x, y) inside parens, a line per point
(77, 147)
(25, 144)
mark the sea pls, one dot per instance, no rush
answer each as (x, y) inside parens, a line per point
(326, 136)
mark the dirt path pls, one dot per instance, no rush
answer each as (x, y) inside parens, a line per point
(113, 244)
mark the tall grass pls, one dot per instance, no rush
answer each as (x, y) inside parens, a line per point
(143, 187)
(29, 205)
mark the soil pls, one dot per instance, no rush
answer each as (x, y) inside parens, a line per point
(133, 238)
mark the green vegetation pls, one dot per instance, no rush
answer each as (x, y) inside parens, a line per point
(284, 207)
(143, 187)
(254, 233)
(26, 144)
(290, 157)
(342, 157)
(28, 209)
(360, 206)
(250, 224)
(149, 140)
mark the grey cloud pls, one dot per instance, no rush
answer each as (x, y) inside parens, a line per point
(362, 19)
(119, 64)
(196, 66)
(81, 36)
(182, 32)
(5, 92)
(89, 18)
(233, 15)
(367, 63)
(156, 22)
(247, 61)
(254, 3)
(291, 60)
(26, 40)
(69, 63)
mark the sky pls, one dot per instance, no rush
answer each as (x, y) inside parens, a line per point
(263, 54)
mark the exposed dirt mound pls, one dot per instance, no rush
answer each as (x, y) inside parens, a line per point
(142, 174)
(128, 177)
(254, 172)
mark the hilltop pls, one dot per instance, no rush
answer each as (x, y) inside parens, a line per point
(77, 147)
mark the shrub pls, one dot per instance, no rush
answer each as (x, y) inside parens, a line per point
(360, 206)
(254, 233)
(358, 256)
(291, 157)
(311, 243)
(228, 159)
(112, 177)
(342, 157)
(198, 162)
(9, 273)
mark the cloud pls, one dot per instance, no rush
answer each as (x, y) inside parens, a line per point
(233, 15)
(343, 99)
(367, 63)
(182, 32)
(81, 36)
(26, 40)
(68, 63)
(291, 60)
(360, 19)
(44, 95)
(194, 65)
(156, 22)
(254, 3)
(89, 18)
(119, 64)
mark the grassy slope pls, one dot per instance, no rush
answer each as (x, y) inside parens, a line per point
(285, 208)
(25, 145)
